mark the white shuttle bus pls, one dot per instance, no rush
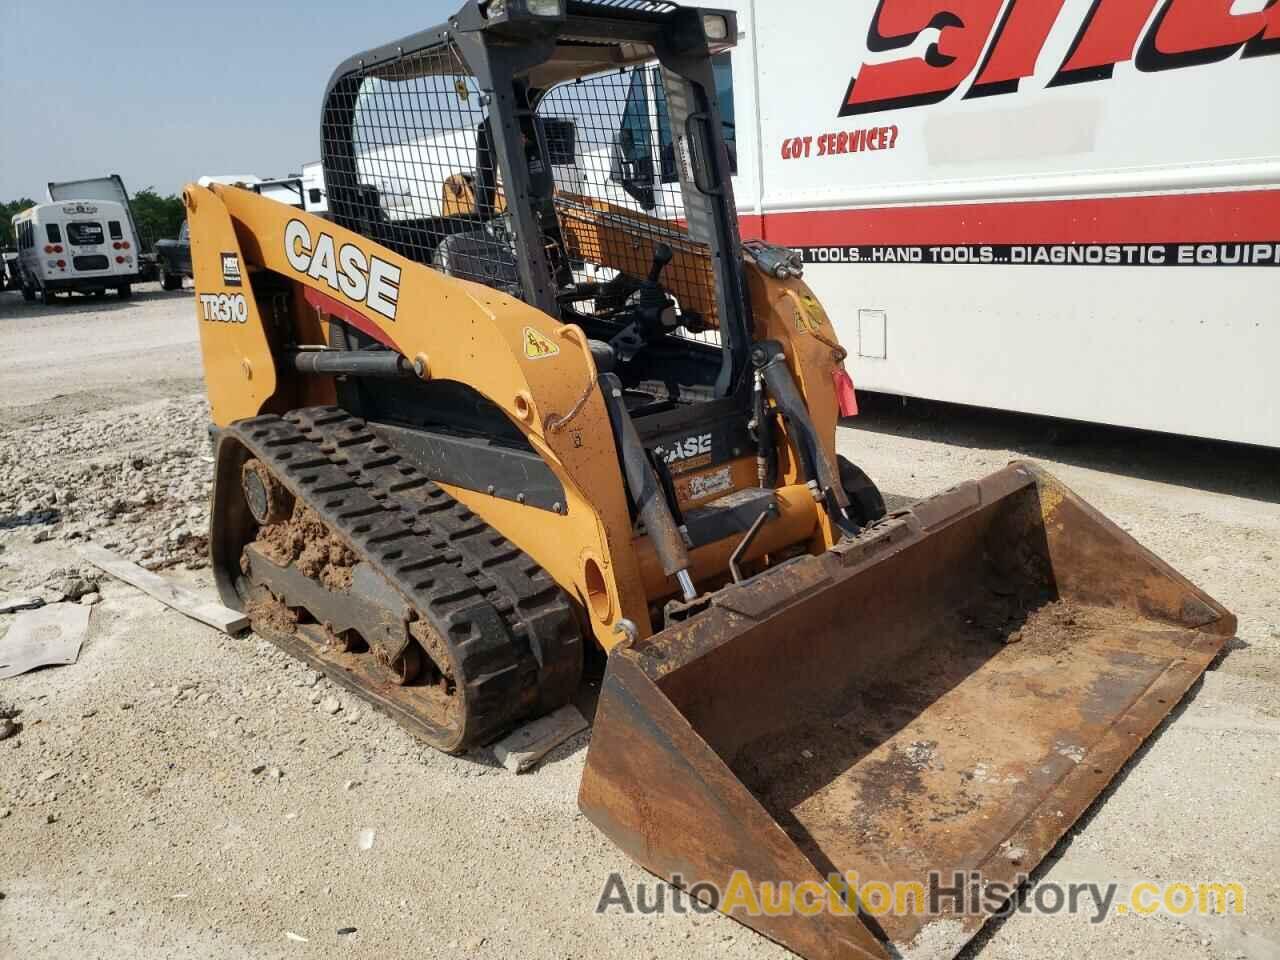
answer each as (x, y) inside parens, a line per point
(1061, 207)
(80, 246)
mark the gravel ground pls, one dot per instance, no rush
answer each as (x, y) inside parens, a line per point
(81, 355)
(177, 793)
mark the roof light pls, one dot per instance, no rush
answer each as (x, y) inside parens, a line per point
(716, 27)
(501, 9)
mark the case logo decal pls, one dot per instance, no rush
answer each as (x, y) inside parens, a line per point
(347, 270)
(689, 453)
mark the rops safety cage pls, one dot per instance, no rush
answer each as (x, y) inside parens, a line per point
(564, 169)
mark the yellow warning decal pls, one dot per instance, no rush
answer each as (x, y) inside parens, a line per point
(810, 316)
(537, 346)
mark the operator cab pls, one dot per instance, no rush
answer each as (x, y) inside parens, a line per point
(586, 173)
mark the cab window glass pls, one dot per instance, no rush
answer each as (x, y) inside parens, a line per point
(669, 174)
(723, 67)
(52, 232)
(633, 152)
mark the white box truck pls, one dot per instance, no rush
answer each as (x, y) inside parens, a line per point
(1060, 207)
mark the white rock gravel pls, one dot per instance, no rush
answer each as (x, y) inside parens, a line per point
(137, 485)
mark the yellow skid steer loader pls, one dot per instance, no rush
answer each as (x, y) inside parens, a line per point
(524, 395)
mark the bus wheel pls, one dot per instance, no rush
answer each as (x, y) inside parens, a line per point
(125, 291)
(28, 293)
(99, 294)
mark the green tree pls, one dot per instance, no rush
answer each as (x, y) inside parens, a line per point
(157, 217)
(7, 213)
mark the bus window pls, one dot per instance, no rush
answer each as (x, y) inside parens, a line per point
(52, 232)
(113, 227)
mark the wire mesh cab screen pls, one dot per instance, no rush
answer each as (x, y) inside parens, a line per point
(623, 196)
(411, 164)
(624, 222)
(421, 175)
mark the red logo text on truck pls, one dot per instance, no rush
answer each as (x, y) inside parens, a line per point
(999, 43)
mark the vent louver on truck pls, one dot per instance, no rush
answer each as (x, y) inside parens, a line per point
(639, 6)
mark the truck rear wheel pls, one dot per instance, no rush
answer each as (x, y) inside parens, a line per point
(169, 281)
(865, 500)
(125, 291)
(28, 293)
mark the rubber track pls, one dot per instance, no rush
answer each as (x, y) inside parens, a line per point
(510, 627)
(538, 612)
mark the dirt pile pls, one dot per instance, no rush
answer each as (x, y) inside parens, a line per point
(305, 540)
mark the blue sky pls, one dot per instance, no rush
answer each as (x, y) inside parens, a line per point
(163, 91)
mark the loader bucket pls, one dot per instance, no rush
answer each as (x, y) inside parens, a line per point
(944, 696)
